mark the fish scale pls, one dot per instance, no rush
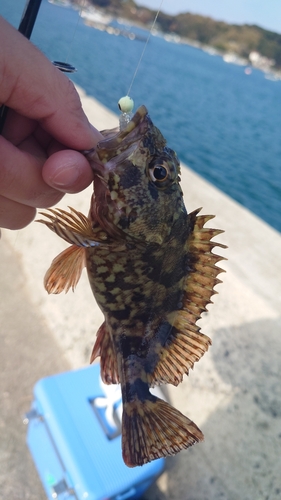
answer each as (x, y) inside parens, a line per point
(152, 271)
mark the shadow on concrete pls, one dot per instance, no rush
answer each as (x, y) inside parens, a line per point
(28, 352)
(241, 456)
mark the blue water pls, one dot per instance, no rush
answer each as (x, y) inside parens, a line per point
(224, 124)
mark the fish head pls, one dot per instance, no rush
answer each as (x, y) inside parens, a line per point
(136, 182)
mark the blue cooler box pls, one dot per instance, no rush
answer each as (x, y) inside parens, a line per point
(74, 435)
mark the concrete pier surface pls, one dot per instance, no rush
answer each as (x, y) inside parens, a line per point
(234, 392)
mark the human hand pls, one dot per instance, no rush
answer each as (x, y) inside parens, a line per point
(45, 127)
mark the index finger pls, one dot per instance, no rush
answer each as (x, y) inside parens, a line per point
(32, 86)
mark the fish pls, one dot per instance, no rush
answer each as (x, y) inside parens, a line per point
(152, 271)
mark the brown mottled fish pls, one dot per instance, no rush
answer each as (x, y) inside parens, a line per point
(152, 272)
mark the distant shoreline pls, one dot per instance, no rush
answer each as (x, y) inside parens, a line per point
(234, 52)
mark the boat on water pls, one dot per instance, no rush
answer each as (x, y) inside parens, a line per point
(95, 17)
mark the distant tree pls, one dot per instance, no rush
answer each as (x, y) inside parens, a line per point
(240, 39)
(101, 3)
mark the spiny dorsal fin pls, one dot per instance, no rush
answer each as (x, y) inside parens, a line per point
(153, 429)
(65, 270)
(104, 348)
(73, 227)
(186, 344)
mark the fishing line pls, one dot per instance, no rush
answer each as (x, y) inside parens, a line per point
(145, 46)
(126, 103)
(83, 5)
(65, 66)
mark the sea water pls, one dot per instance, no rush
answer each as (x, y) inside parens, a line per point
(223, 123)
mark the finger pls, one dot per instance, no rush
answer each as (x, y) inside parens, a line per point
(18, 127)
(67, 171)
(21, 178)
(32, 86)
(14, 215)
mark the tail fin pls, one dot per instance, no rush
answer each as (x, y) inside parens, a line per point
(153, 429)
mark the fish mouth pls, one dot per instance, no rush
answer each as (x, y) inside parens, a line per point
(118, 143)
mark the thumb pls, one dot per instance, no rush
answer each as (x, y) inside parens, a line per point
(67, 171)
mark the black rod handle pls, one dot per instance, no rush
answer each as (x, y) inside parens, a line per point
(25, 28)
(29, 17)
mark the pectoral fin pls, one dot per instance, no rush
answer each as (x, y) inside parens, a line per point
(73, 227)
(65, 270)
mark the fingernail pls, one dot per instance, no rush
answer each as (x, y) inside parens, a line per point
(66, 177)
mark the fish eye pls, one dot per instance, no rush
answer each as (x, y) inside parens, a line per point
(159, 172)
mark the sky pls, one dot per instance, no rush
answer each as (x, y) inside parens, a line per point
(264, 13)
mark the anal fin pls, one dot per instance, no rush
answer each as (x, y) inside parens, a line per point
(185, 346)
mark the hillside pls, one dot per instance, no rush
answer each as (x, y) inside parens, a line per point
(241, 40)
